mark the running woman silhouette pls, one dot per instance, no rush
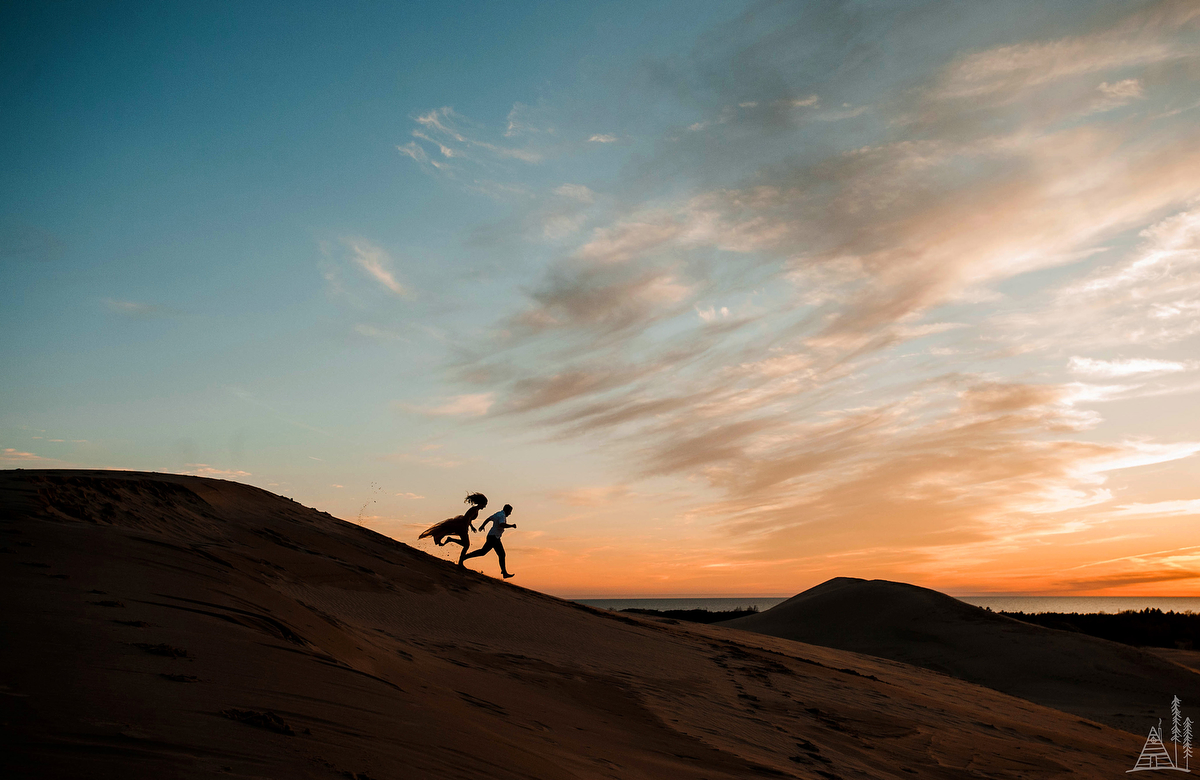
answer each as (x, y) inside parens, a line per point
(457, 526)
(499, 522)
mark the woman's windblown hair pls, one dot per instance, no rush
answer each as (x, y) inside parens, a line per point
(457, 525)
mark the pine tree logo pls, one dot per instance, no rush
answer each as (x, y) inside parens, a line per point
(1155, 754)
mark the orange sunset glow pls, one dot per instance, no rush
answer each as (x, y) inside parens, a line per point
(726, 302)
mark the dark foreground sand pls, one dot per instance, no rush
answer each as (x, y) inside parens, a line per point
(164, 626)
(1108, 682)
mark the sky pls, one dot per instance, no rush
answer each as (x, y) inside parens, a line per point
(724, 298)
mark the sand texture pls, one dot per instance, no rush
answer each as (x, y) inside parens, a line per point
(1121, 686)
(171, 627)
(1189, 659)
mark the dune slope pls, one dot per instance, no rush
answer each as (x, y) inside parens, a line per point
(167, 626)
(1116, 684)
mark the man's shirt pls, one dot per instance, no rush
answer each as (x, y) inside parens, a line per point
(498, 521)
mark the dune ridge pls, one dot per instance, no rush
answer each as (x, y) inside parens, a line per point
(171, 626)
(1109, 682)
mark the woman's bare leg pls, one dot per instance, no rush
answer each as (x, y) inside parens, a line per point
(466, 545)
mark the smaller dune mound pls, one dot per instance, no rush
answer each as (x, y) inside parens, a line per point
(1105, 681)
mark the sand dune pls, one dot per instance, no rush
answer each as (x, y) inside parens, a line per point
(1187, 658)
(1112, 683)
(166, 626)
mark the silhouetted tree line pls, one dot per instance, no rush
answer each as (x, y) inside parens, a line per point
(1147, 628)
(696, 615)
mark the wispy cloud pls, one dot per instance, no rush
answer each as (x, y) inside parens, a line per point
(138, 310)
(413, 151)
(11, 455)
(1151, 568)
(1142, 39)
(1181, 507)
(465, 405)
(1127, 367)
(452, 137)
(380, 334)
(591, 496)
(576, 192)
(847, 111)
(375, 262)
(712, 313)
(1149, 298)
(1117, 94)
(602, 138)
(205, 470)
(523, 119)
(433, 461)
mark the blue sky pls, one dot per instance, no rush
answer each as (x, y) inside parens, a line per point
(725, 298)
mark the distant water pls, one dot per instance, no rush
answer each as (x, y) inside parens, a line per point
(1028, 604)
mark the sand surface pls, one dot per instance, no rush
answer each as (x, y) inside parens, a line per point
(166, 626)
(1112, 683)
(1186, 658)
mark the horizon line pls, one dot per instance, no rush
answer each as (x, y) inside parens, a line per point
(610, 597)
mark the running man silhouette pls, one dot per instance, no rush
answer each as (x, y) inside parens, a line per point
(499, 522)
(457, 526)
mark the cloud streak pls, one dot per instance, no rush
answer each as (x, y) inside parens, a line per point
(12, 455)
(375, 263)
(445, 138)
(465, 405)
(1127, 367)
(205, 470)
(1008, 71)
(137, 310)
